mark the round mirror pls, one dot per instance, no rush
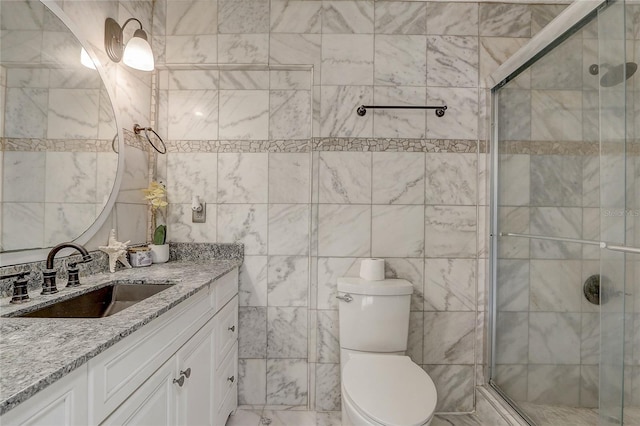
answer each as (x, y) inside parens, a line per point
(60, 138)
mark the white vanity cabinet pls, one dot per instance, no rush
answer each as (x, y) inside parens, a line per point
(180, 392)
(62, 403)
(180, 369)
(193, 384)
(188, 389)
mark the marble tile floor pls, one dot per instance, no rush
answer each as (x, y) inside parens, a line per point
(632, 415)
(550, 415)
(265, 416)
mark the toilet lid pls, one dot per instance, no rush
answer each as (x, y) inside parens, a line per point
(389, 389)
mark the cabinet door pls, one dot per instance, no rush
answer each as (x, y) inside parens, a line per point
(62, 403)
(153, 404)
(115, 374)
(195, 359)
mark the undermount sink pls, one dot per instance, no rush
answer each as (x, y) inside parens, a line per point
(99, 303)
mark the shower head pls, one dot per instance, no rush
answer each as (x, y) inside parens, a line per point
(619, 73)
(614, 75)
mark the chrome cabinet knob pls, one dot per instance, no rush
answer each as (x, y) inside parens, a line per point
(179, 381)
(231, 379)
(232, 328)
(186, 373)
(347, 297)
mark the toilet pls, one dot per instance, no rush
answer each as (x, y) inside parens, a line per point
(380, 385)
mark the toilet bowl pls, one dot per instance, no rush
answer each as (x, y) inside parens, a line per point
(387, 390)
(380, 386)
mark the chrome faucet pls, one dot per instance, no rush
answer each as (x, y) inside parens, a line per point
(49, 274)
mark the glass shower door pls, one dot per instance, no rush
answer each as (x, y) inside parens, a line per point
(618, 215)
(566, 215)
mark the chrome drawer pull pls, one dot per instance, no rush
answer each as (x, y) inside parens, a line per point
(186, 372)
(179, 381)
(231, 379)
(232, 328)
(347, 297)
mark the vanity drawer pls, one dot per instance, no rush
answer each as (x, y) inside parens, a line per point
(117, 372)
(223, 289)
(226, 378)
(229, 405)
(226, 332)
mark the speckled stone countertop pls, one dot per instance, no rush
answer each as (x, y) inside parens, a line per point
(35, 352)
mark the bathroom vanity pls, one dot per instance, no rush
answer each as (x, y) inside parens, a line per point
(170, 359)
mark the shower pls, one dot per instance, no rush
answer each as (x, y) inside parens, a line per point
(565, 222)
(614, 75)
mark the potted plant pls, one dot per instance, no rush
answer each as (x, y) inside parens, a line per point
(156, 196)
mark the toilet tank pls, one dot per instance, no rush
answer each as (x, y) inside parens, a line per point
(374, 315)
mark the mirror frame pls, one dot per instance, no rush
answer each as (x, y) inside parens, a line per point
(38, 254)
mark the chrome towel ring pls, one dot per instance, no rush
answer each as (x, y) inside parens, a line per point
(137, 129)
(113, 143)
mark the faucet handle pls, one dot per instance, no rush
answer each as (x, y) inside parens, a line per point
(74, 275)
(74, 271)
(20, 291)
(73, 264)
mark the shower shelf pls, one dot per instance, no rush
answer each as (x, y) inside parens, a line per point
(601, 244)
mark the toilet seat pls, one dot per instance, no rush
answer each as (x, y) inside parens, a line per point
(389, 390)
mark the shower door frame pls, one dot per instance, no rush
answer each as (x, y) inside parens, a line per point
(563, 26)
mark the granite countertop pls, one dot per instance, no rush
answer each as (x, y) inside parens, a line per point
(35, 352)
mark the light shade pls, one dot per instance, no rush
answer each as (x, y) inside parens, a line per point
(138, 54)
(86, 60)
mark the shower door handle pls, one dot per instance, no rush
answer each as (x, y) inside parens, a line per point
(347, 297)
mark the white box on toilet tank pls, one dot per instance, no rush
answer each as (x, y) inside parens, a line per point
(377, 317)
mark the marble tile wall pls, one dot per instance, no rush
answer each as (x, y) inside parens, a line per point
(288, 322)
(235, 104)
(310, 188)
(544, 319)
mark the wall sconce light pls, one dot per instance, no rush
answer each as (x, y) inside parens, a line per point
(137, 53)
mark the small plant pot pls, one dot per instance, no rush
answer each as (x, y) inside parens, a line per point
(159, 253)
